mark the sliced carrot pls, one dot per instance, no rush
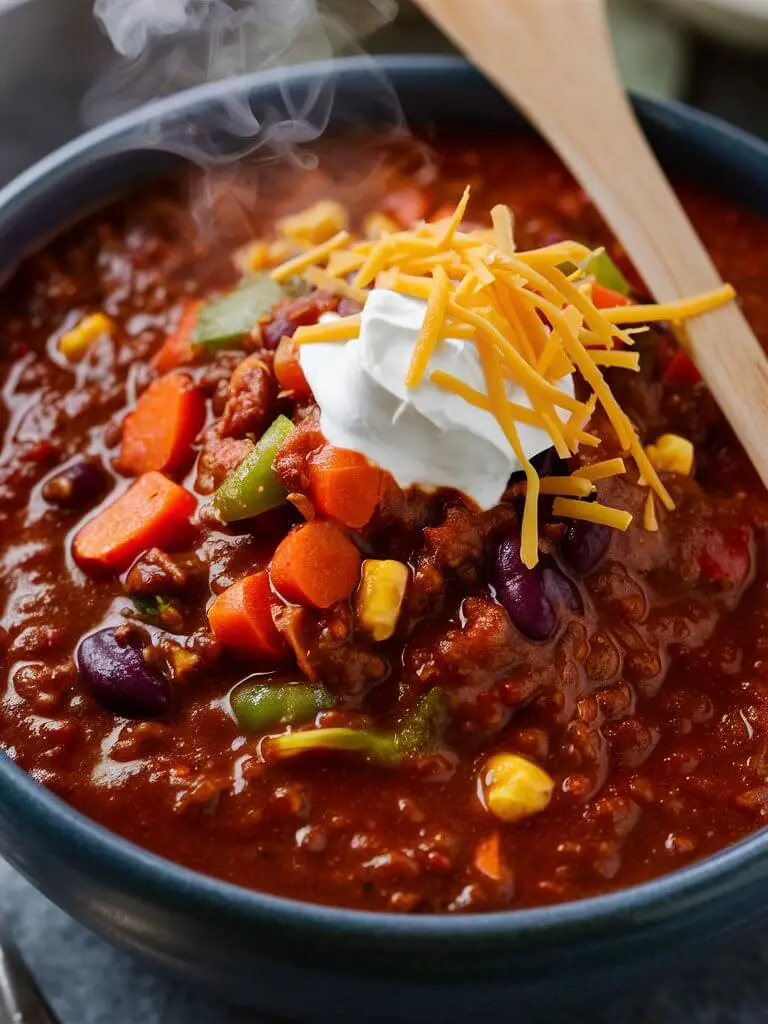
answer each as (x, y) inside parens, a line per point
(607, 298)
(241, 618)
(316, 564)
(288, 371)
(177, 349)
(159, 433)
(344, 485)
(488, 858)
(408, 205)
(153, 512)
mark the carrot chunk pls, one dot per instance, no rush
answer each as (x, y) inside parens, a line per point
(344, 485)
(488, 858)
(316, 564)
(241, 618)
(288, 371)
(607, 298)
(408, 205)
(159, 433)
(177, 349)
(153, 512)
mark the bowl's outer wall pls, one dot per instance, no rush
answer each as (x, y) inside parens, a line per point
(309, 962)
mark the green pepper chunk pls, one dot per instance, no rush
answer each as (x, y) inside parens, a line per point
(260, 706)
(606, 273)
(225, 322)
(373, 746)
(253, 487)
(422, 729)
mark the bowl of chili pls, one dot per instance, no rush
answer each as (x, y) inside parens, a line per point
(227, 779)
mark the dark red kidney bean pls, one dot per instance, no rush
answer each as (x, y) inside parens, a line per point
(546, 463)
(521, 590)
(112, 664)
(77, 486)
(549, 463)
(584, 545)
(559, 588)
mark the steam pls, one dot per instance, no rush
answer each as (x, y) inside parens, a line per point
(164, 46)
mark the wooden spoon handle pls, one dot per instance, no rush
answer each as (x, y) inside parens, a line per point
(554, 59)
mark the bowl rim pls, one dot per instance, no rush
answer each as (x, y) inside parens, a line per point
(696, 885)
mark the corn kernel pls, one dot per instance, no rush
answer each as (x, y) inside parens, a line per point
(376, 225)
(380, 596)
(671, 454)
(263, 255)
(316, 224)
(74, 344)
(514, 788)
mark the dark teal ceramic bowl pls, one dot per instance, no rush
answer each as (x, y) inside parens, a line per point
(312, 962)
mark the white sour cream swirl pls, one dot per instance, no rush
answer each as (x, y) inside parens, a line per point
(425, 435)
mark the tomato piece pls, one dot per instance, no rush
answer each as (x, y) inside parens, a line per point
(727, 555)
(681, 371)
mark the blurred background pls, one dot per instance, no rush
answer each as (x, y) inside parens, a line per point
(711, 53)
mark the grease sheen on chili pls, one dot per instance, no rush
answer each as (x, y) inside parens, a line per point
(647, 704)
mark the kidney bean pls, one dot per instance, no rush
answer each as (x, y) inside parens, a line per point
(559, 588)
(77, 486)
(584, 545)
(521, 591)
(549, 463)
(112, 664)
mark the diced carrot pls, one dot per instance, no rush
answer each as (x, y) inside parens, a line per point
(488, 858)
(159, 433)
(607, 298)
(316, 564)
(288, 371)
(153, 512)
(241, 618)
(408, 205)
(177, 349)
(344, 485)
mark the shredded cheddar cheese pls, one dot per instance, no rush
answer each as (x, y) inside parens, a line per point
(307, 259)
(650, 522)
(345, 329)
(567, 486)
(530, 316)
(602, 470)
(592, 512)
(430, 328)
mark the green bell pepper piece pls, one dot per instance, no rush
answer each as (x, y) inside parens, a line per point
(260, 706)
(422, 729)
(223, 323)
(606, 273)
(373, 746)
(253, 487)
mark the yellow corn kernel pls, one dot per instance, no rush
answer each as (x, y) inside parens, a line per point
(263, 255)
(514, 788)
(316, 224)
(380, 596)
(376, 225)
(671, 454)
(74, 343)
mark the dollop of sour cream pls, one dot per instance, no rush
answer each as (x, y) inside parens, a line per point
(424, 435)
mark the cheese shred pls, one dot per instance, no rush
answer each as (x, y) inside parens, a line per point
(531, 317)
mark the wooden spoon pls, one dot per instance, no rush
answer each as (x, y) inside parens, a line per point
(554, 60)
